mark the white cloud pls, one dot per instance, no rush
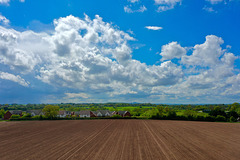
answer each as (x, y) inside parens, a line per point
(228, 59)
(206, 54)
(209, 74)
(165, 8)
(172, 50)
(159, 2)
(215, 1)
(21, 51)
(76, 95)
(130, 31)
(89, 55)
(209, 9)
(4, 20)
(233, 86)
(92, 58)
(97, 72)
(128, 9)
(211, 3)
(164, 5)
(11, 77)
(153, 28)
(133, 1)
(6, 2)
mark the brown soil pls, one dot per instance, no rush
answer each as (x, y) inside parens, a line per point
(119, 139)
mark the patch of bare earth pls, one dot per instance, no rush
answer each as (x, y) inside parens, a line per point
(119, 139)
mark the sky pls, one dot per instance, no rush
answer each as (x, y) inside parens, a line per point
(145, 51)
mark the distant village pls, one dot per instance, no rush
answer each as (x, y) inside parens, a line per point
(68, 114)
(209, 113)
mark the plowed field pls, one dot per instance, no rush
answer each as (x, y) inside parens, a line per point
(119, 139)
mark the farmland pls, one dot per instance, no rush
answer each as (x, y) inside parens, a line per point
(119, 139)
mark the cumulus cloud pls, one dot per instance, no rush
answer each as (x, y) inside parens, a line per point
(206, 54)
(21, 51)
(155, 28)
(101, 59)
(164, 5)
(209, 73)
(217, 63)
(11, 77)
(85, 54)
(91, 57)
(172, 50)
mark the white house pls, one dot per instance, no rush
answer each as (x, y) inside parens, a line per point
(86, 114)
(35, 112)
(64, 114)
(103, 113)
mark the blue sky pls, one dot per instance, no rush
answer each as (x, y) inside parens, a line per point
(157, 51)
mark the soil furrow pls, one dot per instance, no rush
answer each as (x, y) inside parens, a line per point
(119, 140)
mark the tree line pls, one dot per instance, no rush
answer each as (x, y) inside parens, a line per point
(213, 112)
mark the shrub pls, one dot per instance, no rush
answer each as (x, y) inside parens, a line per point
(157, 116)
(233, 119)
(73, 116)
(36, 117)
(116, 116)
(220, 118)
(41, 117)
(28, 115)
(210, 118)
(190, 118)
(15, 116)
(182, 118)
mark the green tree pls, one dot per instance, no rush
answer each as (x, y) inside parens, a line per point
(160, 110)
(238, 111)
(149, 113)
(51, 111)
(232, 114)
(188, 113)
(217, 111)
(171, 114)
(2, 112)
(235, 106)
